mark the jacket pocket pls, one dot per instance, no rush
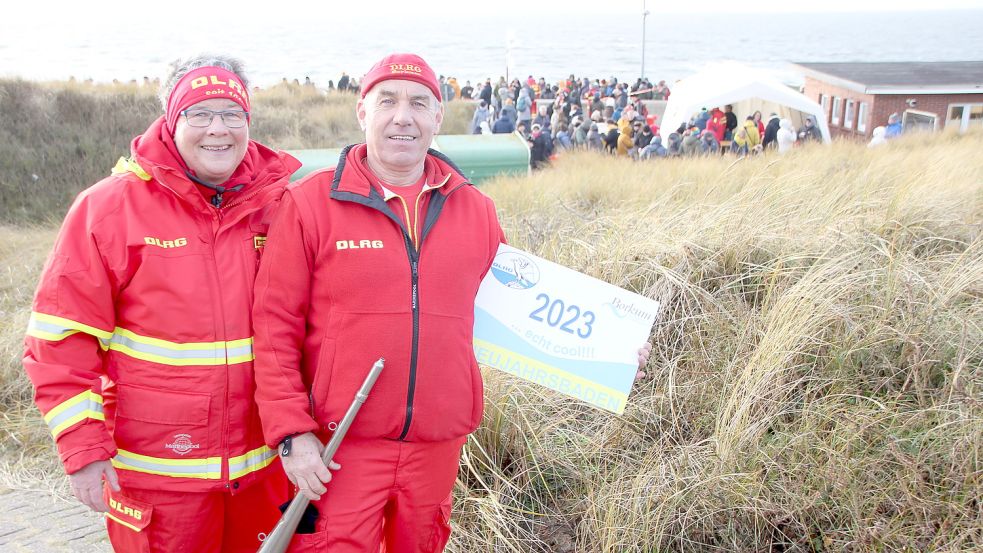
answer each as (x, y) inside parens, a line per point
(162, 423)
(309, 543)
(441, 532)
(322, 377)
(348, 352)
(448, 402)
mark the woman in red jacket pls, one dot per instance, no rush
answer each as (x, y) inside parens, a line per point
(140, 342)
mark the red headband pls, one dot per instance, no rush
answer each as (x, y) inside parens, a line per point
(204, 83)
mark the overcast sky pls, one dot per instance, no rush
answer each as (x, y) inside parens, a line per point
(127, 39)
(43, 13)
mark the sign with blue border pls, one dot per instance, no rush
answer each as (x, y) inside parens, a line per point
(559, 328)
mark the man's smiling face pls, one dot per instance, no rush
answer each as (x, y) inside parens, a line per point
(400, 119)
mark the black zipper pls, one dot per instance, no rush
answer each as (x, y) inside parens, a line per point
(375, 201)
(415, 344)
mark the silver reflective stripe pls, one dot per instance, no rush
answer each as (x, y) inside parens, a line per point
(77, 410)
(202, 468)
(51, 328)
(54, 328)
(255, 462)
(209, 353)
(240, 351)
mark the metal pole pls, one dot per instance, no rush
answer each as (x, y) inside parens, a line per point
(279, 538)
(645, 14)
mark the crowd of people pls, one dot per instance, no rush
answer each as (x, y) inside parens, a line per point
(611, 116)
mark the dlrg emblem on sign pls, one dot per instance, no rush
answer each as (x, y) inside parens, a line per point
(564, 330)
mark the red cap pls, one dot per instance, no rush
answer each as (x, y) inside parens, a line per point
(204, 83)
(407, 67)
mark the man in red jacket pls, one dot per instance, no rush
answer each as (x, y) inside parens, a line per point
(379, 257)
(140, 344)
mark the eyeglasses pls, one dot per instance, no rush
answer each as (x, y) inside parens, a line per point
(233, 119)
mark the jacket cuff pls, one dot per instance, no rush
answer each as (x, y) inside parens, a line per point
(275, 433)
(78, 459)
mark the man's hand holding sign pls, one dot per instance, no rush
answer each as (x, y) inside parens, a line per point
(564, 330)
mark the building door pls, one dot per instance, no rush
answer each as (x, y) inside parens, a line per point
(914, 120)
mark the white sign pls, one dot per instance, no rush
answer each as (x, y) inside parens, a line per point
(559, 328)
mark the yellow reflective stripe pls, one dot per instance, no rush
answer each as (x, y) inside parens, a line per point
(172, 345)
(52, 328)
(49, 336)
(86, 405)
(118, 521)
(256, 459)
(181, 353)
(241, 359)
(166, 360)
(129, 165)
(209, 468)
(238, 343)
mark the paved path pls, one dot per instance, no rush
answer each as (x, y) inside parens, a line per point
(38, 522)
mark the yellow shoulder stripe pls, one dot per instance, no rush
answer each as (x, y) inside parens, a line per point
(129, 165)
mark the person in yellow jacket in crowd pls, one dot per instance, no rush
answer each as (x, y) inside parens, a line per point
(753, 134)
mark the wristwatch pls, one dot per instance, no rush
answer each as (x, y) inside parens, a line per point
(285, 446)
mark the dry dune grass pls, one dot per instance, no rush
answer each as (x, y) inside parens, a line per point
(816, 382)
(26, 453)
(58, 138)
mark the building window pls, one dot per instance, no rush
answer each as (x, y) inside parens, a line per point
(851, 108)
(835, 119)
(824, 101)
(976, 115)
(862, 115)
(956, 114)
(964, 116)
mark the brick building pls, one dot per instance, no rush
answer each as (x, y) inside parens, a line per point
(928, 95)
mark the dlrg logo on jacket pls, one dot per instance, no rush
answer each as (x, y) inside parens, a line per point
(357, 245)
(129, 511)
(151, 241)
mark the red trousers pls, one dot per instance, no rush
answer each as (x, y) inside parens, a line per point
(391, 493)
(151, 521)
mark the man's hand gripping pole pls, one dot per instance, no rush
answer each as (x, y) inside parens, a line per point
(278, 540)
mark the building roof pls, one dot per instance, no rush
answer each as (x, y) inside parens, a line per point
(911, 77)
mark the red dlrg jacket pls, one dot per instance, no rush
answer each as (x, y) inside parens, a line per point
(140, 341)
(344, 282)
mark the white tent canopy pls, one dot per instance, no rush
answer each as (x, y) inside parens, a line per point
(747, 89)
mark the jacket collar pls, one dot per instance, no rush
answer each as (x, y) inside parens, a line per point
(353, 176)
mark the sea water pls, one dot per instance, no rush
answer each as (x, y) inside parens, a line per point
(476, 47)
